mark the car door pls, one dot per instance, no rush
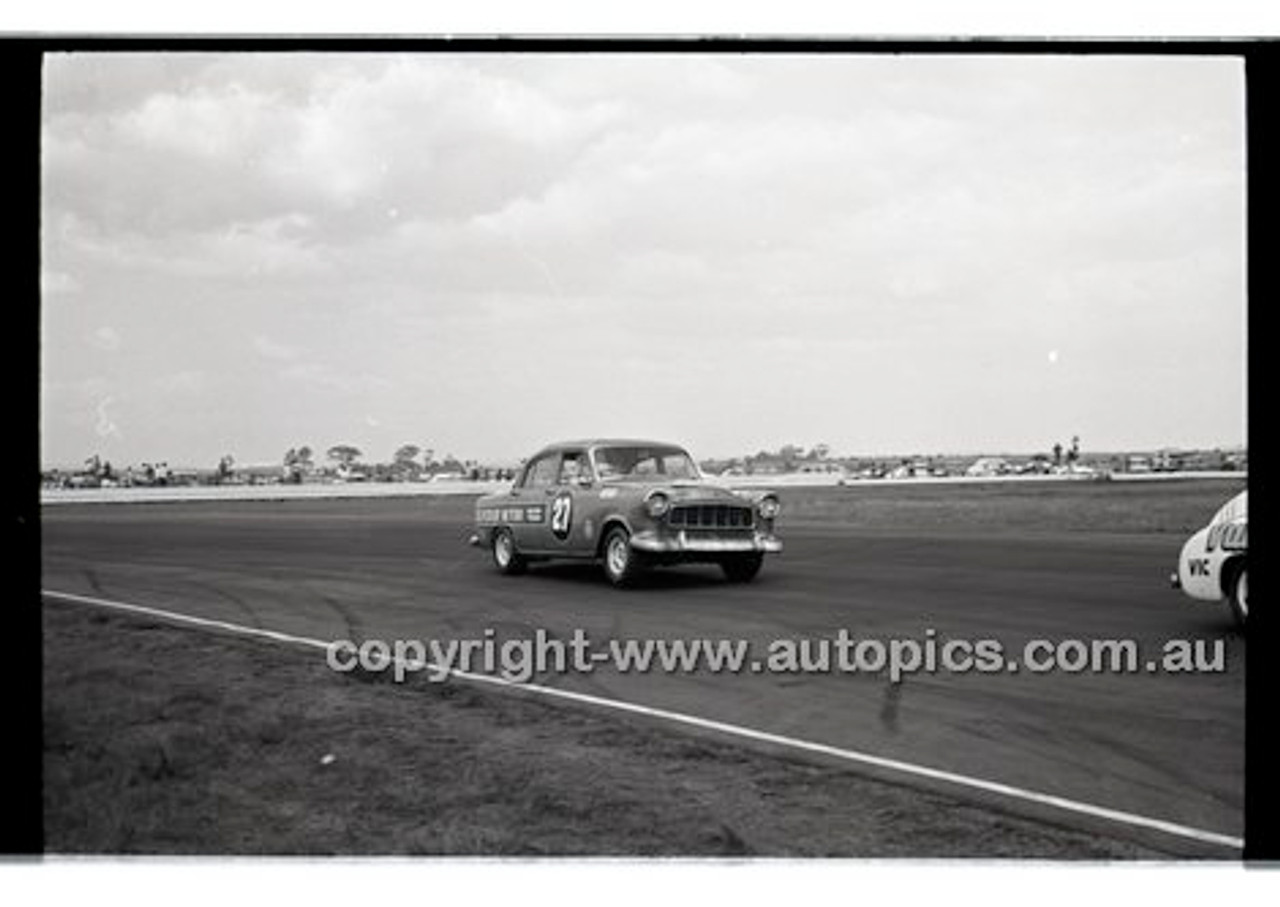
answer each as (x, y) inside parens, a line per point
(528, 514)
(568, 507)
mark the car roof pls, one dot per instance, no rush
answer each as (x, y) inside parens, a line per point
(1235, 509)
(606, 442)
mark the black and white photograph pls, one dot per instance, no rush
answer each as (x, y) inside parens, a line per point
(733, 451)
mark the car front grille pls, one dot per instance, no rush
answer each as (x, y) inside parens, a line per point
(711, 516)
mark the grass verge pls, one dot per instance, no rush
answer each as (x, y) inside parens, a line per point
(161, 739)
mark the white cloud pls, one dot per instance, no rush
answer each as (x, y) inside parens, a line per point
(106, 338)
(105, 425)
(55, 283)
(324, 377)
(272, 349)
(187, 381)
(214, 125)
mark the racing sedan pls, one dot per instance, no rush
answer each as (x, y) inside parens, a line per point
(627, 505)
(1212, 566)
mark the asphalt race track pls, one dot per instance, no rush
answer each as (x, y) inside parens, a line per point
(1166, 746)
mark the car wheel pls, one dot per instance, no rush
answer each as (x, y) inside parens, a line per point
(742, 568)
(1238, 598)
(621, 563)
(505, 556)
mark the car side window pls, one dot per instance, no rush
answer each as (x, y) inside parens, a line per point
(574, 466)
(609, 463)
(541, 473)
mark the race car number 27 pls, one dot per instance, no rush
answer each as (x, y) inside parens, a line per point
(561, 516)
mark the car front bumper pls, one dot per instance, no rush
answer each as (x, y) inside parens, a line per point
(685, 543)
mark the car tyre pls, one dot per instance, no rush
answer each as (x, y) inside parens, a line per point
(506, 558)
(743, 567)
(621, 563)
(1238, 596)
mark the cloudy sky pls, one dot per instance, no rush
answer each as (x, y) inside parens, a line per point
(478, 254)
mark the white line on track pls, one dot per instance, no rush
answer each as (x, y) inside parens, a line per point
(734, 730)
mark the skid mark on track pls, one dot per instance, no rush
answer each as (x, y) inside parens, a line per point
(94, 582)
(890, 705)
(240, 604)
(353, 624)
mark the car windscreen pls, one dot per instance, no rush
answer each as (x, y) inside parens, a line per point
(644, 462)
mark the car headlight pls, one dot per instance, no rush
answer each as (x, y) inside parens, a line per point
(768, 507)
(657, 504)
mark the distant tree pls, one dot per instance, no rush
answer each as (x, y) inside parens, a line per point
(93, 464)
(407, 454)
(1057, 454)
(819, 452)
(404, 463)
(304, 455)
(225, 466)
(1074, 453)
(344, 454)
(294, 464)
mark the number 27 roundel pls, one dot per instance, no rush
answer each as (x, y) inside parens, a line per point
(562, 515)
